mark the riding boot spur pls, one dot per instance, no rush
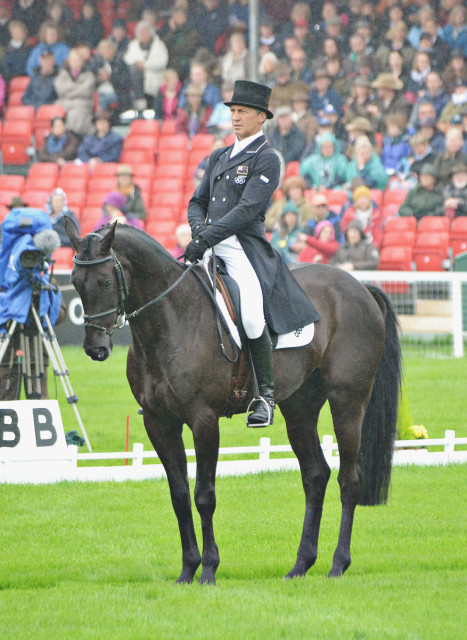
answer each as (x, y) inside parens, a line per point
(262, 414)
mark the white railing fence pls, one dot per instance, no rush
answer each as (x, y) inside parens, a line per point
(417, 452)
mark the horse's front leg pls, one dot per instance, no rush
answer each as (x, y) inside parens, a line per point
(206, 440)
(168, 443)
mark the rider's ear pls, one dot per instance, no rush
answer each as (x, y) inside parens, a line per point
(73, 234)
(107, 240)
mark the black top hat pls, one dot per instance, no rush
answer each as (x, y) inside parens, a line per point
(253, 95)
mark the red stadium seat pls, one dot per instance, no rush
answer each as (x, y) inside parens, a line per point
(20, 112)
(175, 141)
(146, 170)
(167, 128)
(163, 231)
(170, 171)
(15, 152)
(141, 142)
(395, 259)
(394, 195)
(63, 258)
(161, 213)
(434, 224)
(6, 195)
(40, 183)
(404, 223)
(44, 170)
(144, 127)
(101, 183)
(336, 196)
(398, 239)
(458, 238)
(137, 156)
(46, 112)
(96, 198)
(105, 169)
(15, 98)
(75, 199)
(390, 210)
(202, 141)
(377, 196)
(174, 185)
(12, 182)
(72, 184)
(292, 169)
(90, 216)
(431, 251)
(18, 83)
(71, 170)
(36, 198)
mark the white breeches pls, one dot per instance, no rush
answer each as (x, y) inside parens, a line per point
(251, 297)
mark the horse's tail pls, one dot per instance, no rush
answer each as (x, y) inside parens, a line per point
(379, 423)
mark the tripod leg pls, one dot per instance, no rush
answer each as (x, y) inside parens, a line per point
(57, 361)
(26, 348)
(5, 339)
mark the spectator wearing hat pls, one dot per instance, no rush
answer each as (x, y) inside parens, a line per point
(366, 164)
(281, 93)
(455, 192)
(396, 145)
(220, 120)
(358, 101)
(166, 101)
(199, 76)
(455, 32)
(40, 89)
(57, 208)
(357, 253)
(426, 198)
(367, 213)
(286, 137)
(293, 189)
(16, 202)
(452, 155)
(327, 167)
(285, 237)
(89, 28)
(235, 64)
(421, 152)
(102, 146)
(455, 70)
(302, 116)
(323, 94)
(194, 116)
(321, 246)
(50, 39)
(114, 210)
(119, 36)
(360, 126)
(75, 86)
(134, 200)
(60, 145)
(456, 105)
(396, 39)
(147, 58)
(321, 211)
(390, 98)
(181, 40)
(17, 52)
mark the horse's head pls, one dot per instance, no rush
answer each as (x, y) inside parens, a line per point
(98, 278)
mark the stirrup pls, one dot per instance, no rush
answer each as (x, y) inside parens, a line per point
(270, 412)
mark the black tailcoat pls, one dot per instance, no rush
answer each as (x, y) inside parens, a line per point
(232, 199)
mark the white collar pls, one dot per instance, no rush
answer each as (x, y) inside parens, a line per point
(239, 145)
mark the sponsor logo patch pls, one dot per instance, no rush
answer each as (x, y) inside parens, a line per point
(264, 179)
(242, 170)
(240, 179)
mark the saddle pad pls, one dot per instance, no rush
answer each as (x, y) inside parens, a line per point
(297, 338)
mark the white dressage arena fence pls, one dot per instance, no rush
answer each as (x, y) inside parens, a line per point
(30, 470)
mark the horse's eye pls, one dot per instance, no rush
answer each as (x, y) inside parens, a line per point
(107, 284)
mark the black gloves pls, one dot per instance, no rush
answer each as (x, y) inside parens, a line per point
(198, 229)
(195, 250)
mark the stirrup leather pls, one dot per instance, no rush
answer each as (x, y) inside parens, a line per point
(269, 409)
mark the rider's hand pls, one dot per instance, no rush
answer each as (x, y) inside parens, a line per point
(195, 250)
(198, 229)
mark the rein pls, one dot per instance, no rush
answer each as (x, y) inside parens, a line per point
(122, 316)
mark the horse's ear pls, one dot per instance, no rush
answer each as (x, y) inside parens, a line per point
(73, 234)
(107, 240)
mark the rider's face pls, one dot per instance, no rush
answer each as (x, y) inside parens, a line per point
(246, 121)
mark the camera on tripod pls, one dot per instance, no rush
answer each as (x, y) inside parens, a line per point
(30, 304)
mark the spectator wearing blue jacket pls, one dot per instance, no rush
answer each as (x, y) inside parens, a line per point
(49, 39)
(199, 77)
(396, 145)
(455, 33)
(102, 146)
(41, 89)
(323, 94)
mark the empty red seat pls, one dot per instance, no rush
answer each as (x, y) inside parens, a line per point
(157, 212)
(40, 183)
(44, 169)
(101, 183)
(394, 195)
(174, 141)
(12, 182)
(291, 168)
(18, 83)
(144, 142)
(167, 171)
(404, 223)
(63, 258)
(398, 239)
(20, 112)
(202, 141)
(105, 169)
(15, 152)
(36, 198)
(458, 238)
(163, 231)
(146, 170)
(390, 210)
(46, 112)
(173, 185)
(395, 259)
(431, 251)
(137, 156)
(71, 170)
(167, 127)
(144, 127)
(434, 224)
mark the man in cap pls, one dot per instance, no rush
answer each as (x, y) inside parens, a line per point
(390, 98)
(286, 137)
(132, 192)
(302, 116)
(321, 211)
(323, 94)
(41, 88)
(426, 198)
(226, 213)
(102, 146)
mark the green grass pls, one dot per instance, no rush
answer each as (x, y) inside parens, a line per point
(97, 561)
(436, 393)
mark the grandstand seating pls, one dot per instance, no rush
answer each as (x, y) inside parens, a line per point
(145, 128)
(396, 196)
(404, 223)
(431, 250)
(20, 112)
(63, 257)
(458, 237)
(12, 182)
(398, 239)
(395, 259)
(433, 224)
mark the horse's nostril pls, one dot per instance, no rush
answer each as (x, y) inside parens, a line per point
(97, 353)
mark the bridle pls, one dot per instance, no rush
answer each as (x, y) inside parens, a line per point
(122, 315)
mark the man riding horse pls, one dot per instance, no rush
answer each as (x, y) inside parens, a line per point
(227, 212)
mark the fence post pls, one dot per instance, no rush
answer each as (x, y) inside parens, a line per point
(264, 448)
(457, 319)
(138, 449)
(449, 436)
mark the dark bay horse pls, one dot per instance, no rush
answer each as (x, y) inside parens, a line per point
(178, 375)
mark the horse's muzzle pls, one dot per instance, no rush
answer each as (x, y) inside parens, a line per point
(98, 353)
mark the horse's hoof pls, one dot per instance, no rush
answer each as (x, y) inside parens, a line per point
(207, 579)
(186, 577)
(337, 572)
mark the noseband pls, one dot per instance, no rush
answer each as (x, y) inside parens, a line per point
(122, 293)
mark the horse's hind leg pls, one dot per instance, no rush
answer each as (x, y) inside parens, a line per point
(301, 412)
(347, 413)
(168, 443)
(206, 441)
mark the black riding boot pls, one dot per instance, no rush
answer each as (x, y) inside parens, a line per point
(261, 355)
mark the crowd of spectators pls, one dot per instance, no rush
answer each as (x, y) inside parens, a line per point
(367, 96)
